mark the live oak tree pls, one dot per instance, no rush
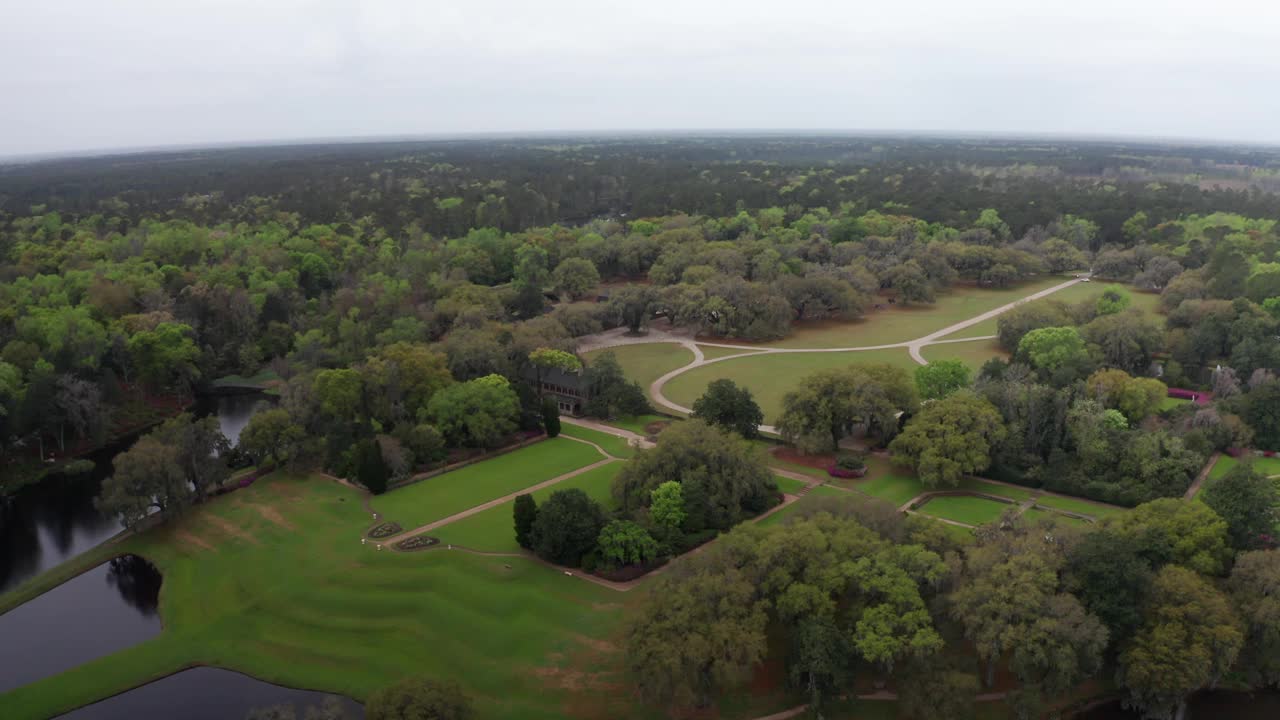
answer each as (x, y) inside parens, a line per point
(723, 478)
(950, 438)
(575, 277)
(731, 407)
(828, 405)
(1189, 639)
(146, 478)
(1169, 530)
(1053, 348)
(479, 413)
(1255, 588)
(270, 435)
(941, 378)
(1247, 500)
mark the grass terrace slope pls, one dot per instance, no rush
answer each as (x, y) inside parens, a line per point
(273, 581)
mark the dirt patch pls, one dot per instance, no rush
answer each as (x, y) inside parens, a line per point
(190, 540)
(602, 646)
(791, 455)
(272, 515)
(656, 427)
(231, 528)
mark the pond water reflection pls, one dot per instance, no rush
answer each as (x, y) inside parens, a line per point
(107, 609)
(215, 694)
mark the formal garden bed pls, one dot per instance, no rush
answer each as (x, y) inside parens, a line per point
(417, 542)
(384, 530)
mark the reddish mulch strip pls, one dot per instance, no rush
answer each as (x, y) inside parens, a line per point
(791, 455)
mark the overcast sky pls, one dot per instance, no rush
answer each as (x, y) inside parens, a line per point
(98, 74)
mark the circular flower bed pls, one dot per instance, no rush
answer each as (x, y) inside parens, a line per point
(848, 466)
(386, 529)
(417, 542)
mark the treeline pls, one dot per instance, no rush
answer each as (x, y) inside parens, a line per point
(446, 187)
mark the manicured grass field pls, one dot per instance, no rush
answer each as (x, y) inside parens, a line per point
(1035, 515)
(791, 486)
(494, 531)
(1097, 510)
(1172, 403)
(710, 352)
(646, 362)
(990, 488)
(637, 423)
(897, 324)
(822, 491)
(612, 444)
(1265, 465)
(970, 510)
(885, 481)
(771, 376)
(444, 495)
(273, 581)
(974, 354)
(1148, 303)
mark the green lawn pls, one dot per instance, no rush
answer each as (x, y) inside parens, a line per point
(273, 581)
(974, 354)
(646, 362)
(709, 352)
(897, 324)
(1036, 514)
(822, 491)
(1080, 506)
(493, 530)
(990, 488)
(1148, 303)
(895, 484)
(791, 486)
(1172, 403)
(1266, 465)
(771, 376)
(612, 444)
(970, 510)
(637, 423)
(444, 495)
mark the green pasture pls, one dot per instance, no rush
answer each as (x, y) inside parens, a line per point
(443, 495)
(646, 362)
(770, 376)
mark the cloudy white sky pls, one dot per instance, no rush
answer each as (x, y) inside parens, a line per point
(98, 74)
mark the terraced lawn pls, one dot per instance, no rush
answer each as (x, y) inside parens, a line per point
(494, 531)
(443, 495)
(771, 376)
(1036, 514)
(273, 581)
(965, 509)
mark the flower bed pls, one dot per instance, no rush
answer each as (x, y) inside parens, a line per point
(417, 542)
(839, 472)
(848, 465)
(386, 529)
(1200, 397)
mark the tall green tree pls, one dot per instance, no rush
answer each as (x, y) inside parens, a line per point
(950, 438)
(567, 527)
(828, 405)
(731, 407)
(147, 478)
(1248, 501)
(419, 698)
(479, 413)
(941, 378)
(1255, 588)
(271, 435)
(525, 510)
(1189, 639)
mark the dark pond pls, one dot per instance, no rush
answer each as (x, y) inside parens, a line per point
(1205, 706)
(214, 694)
(109, 608)
(53, 520)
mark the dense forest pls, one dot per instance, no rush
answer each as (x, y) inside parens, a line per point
(400, 297)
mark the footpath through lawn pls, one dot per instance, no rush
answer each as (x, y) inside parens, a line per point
(443, 495)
